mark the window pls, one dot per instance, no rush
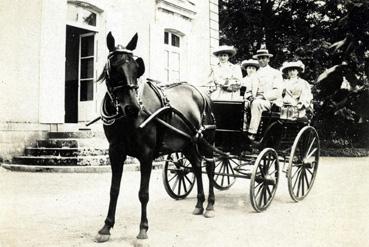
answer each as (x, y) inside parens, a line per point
(172, 56)
(87, 59)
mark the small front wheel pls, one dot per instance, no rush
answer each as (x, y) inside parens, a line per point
(178, 177)
(264, 179)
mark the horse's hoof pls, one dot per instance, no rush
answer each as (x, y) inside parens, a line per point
(209, 214)
(198, 211)
(142, 235)
(101, 238)
(141, 243)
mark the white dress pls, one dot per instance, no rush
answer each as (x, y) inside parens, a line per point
(226, 78)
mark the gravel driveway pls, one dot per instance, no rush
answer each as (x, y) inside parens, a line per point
(67, 209)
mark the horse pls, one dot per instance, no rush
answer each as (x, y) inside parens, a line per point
(144, 121)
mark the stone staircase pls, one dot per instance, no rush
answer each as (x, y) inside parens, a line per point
(77, 148)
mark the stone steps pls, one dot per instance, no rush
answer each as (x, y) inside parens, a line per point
(97, 160)
(65, 152)
(79, 148)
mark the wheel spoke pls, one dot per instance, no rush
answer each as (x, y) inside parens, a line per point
(179, 186)
(261, 196)
(298, 175)
(184, 184)
(269, 192)
(175, 183)
(189, 180)
(297, 170)
(175, 175)
(307, 181)
(259, 190)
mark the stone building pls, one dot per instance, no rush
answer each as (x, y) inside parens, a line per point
(53, 50)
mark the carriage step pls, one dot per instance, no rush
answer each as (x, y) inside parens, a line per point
(65, 152)
(98, 160)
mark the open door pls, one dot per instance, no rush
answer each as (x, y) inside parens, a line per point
(80, 89)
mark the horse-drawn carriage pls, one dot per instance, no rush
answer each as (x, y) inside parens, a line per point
(283, 138)
(145, 121)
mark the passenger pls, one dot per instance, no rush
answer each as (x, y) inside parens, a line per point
(296, 91)
(225, 77)
(249, 84)
(269, 89)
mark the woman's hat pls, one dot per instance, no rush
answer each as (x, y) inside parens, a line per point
(250, 62)
(262, 52)
(230, 50)
(295, 64)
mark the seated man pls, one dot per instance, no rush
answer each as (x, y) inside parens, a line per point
(296, 91)
(225, 77)
(268, 90)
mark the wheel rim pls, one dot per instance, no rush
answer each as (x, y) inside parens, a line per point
(178, 177)
(264, 179)
(303, 163)
(224, 172)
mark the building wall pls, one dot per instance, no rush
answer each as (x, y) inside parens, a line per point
(33, 45)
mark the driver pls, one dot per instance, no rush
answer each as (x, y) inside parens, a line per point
(268, 90)
(225, 77)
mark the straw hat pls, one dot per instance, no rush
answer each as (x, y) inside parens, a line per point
(250, 62)
(262, 52)
(295, 64)
(230, 50)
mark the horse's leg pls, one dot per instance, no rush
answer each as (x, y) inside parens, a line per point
(116, 162)
(196, 166)
(209, 213)
(143, 194)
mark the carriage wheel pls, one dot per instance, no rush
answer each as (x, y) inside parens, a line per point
(224, 172)
(264, 179)
(178, 177)
(303, 163)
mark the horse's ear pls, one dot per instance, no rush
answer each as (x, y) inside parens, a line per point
(133, 43)
(110, 41)
(141, 67)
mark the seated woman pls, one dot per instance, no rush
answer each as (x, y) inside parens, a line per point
(296, 91)
(225, 77)
(250, 84)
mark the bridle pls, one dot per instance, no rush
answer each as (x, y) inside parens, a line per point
(109, 119)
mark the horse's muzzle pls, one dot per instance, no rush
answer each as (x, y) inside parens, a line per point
(131, 110)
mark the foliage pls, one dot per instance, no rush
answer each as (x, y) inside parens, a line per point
(332, 39)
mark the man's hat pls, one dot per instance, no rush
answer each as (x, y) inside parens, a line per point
(295, 64)
(250, 62)
(262, 52)
(230, 50)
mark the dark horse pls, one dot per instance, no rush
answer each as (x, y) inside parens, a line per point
(146, 122)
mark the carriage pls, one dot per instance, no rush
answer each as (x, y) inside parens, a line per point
(286, 144)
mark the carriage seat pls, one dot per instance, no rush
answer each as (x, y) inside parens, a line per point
(274, 112)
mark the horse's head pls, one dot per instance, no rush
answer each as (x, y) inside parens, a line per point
(121, 73)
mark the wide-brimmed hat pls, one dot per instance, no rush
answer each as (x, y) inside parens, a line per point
(294, 64)
(250, 62)
(262, 52)
(230, 50)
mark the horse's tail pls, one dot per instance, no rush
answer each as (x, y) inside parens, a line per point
(205, 142)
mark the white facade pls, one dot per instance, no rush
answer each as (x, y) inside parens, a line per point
(52, 50)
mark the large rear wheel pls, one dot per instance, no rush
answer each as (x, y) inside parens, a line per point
(178, 177)
(303, 163)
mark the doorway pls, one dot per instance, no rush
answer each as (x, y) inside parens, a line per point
(79, 75)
